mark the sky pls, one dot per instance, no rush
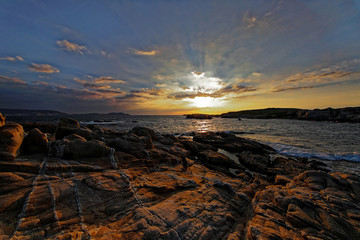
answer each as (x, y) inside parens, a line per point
(179, 57)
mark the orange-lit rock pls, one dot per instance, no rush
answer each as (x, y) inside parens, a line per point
(11, 137)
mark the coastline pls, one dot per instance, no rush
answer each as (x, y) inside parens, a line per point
(82, 182)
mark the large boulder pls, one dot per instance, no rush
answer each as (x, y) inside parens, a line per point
(77, 147)
(35, 142)
(143, 132)
(43, 127)
(216, 158)
(2, 120)
(66, 126)
(11, 137)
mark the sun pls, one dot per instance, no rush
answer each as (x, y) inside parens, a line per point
(202, 102)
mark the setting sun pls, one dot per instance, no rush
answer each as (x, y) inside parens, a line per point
(202, 102)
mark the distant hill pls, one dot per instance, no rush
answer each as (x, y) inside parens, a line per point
(349, 114)
(26, 115)
(27, 112)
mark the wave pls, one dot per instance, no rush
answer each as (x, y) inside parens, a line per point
(297, 152)
(102, 122)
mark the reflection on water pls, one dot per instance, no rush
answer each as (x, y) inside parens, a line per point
(202, 125)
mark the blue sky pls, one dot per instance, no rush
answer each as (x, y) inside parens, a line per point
(173, 57)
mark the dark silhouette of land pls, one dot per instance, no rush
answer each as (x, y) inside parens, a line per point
(348, 114)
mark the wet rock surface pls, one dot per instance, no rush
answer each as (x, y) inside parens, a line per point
(145, 185)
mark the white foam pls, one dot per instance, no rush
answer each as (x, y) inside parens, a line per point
(298, 152)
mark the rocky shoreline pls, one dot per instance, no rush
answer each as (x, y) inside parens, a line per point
(67, 181)
(348, 114)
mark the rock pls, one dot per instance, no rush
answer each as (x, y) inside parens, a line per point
(255, 162)
(134, 148)
(196, 147)
(2, 120)
(161, 187)
(215, 158)
(11, 138)
(43, 127)
(66, 126)
(35, 142)
(77, 147)
(143, 132)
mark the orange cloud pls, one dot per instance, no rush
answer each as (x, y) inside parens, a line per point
(6, 79)
(145, 53)
(12, 59)
(71, 47)
(108, 79)
(44, 68)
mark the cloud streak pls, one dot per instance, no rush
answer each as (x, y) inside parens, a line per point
(107, 79)
(145, 53)
(71, 47)
(12, 59)
(43, 68)
(6, 79)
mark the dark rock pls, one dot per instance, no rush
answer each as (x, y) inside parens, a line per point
(196, 147)
(143, 131)
(43, 127)
(66, 126)
(255, 162)
(11, 138)
(78, 148)
(212, 157)
(35, 142)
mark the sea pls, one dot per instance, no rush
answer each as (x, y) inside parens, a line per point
(312, 139)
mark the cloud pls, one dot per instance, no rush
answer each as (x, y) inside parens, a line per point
(145, 53)
(256, 74)
(327, 73)
(319, 76)
(340, 73)
(101, 90)
(104, 79)
(281, 89)
(71, 47)
(234, 89)
(160, 85)
(98, 83)
(20, 58)
(44, 68)
(44, 77)
(144, 93)
(41, 83)
(12, 59)
(94, 86)
(6, 79)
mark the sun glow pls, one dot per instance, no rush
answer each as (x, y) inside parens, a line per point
(201, 89)
(202, 102)
(205, 102)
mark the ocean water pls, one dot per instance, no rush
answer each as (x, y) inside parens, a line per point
(325, 140)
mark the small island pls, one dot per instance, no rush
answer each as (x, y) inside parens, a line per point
(199, 116)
